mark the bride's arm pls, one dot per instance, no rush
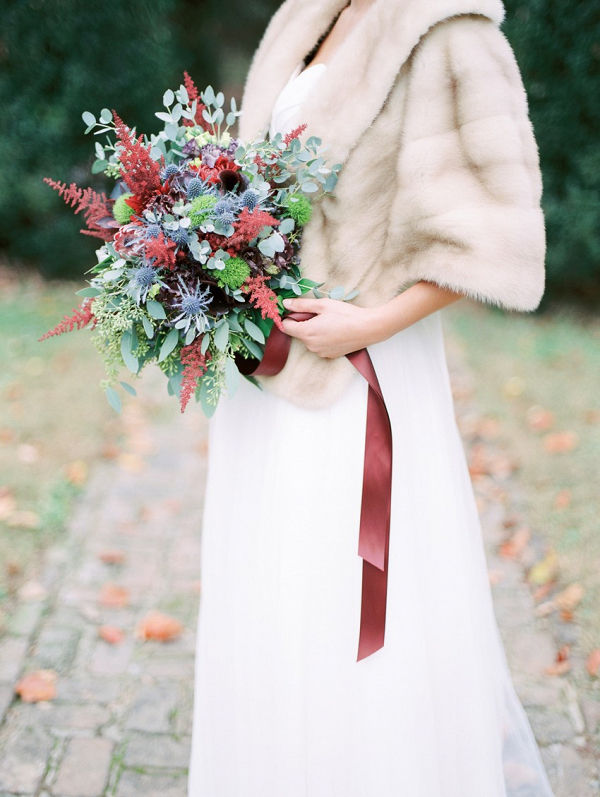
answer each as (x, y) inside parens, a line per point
(339, 327)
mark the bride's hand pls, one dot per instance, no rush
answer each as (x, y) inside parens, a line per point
(338, 328)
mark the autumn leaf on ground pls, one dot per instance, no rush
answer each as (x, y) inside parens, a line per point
(158, 626)
(516, 544)
(37, 686)
(76, 472)
(113, 596)
(570, 597)
(112, 556)
(562, 499)
(539, 419)
(593, 663)
(111, 634)
(560, 442)
(562, 664)
(545, 570)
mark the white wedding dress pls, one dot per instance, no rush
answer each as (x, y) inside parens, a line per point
(282, 707)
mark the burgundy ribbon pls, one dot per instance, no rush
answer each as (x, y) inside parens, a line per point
(374, 534)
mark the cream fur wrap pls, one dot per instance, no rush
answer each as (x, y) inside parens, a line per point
(424, 106)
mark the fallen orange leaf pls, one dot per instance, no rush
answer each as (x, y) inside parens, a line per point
(560, 442)
(570, 597)
(545, 570)
(113, 596)
(112, 556)
(539, 419)
(593, 663)
(562, 664)
(158, 626)
(562, 499)
(516, 544)
(37, 686)
(111, 634)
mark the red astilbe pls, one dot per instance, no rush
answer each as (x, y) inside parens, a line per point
(80, 318)
(263, 298)
(195, 368)
(194, 94)
(249, 225)
(139, 171)
(97, 208)
(296, 133)
(162, 250)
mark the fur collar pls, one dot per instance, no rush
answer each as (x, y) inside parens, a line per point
(361, 72)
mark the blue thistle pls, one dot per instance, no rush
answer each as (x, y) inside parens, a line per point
(192, 304)
(226, 209)
(170, 171)
(195, 188)
(249, 199)
(153, 230)
(141, 279)
(179, 235)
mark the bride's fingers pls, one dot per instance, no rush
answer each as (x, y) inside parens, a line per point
(305, 305)
(295, 329)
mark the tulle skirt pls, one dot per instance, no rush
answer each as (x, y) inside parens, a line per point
(282, 707)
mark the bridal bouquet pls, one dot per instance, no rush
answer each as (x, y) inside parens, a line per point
(201, 236)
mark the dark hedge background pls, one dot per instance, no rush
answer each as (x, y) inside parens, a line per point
(61, 57)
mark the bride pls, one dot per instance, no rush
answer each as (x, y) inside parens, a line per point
(438, 198)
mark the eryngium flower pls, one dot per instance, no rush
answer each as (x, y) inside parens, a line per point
(179, 235)
(141, 279)
(195, 188)
(192, 304)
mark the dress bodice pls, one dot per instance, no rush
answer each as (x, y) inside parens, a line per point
(284, 117)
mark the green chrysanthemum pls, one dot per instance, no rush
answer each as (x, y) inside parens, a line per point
(300, 210)
(201, 209)
(121, 210)
(235, 273)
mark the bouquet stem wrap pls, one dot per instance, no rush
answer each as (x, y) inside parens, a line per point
(374, 534)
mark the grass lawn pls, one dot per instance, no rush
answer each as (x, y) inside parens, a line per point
(539, 376)
(54, 419)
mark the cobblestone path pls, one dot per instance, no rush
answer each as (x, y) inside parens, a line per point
(120, 723)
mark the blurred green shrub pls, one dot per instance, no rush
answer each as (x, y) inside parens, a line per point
(60, 57)
(558, 49)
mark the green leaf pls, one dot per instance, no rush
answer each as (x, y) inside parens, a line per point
(175, 382)
(148, 328)
(168, 98)
(88, 118)
(168, 344)
(99, 166)
(155, 309)
(105, 116)
(254, 331)
(205, 343)
(286, 226)
(232, 376)
(113, 399)
(309, 187)
(128, 388)
(207, 407)
(89, 292)
(221, 336)
(337, 292)
(126, 352)
(253, 348)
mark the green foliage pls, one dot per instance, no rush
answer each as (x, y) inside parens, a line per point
(121, 210)
(299, 209)
(558, 50)
(201, 209)
(235, 273)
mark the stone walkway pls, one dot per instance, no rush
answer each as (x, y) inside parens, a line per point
(120, 723)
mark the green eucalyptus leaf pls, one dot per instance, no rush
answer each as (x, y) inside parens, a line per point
(129, 388)
(168, 98)
(168, 344)
(254, 331)
(130, 360)
(113, 398)
(221, 336)
(337, 292)
(253, 348)
(155, 309)
(148, 328)
(89, 292)
(88, 118)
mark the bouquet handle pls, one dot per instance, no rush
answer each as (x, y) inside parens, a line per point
(374, 533)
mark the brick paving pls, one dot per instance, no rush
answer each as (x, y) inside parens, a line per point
(121, 720)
